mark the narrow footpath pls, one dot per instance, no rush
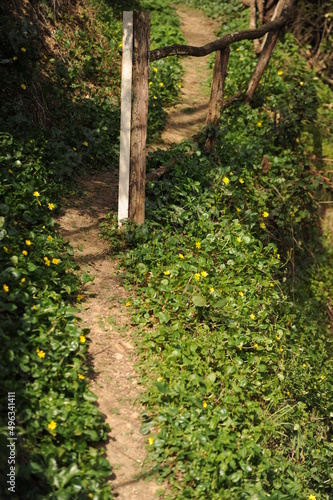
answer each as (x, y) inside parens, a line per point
(189, 115)
(111, 351)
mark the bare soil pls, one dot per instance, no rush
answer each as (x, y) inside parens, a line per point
(189, 115)
(111, 351)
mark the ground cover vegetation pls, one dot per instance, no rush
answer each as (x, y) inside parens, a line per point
(232, 284)
(59, 94)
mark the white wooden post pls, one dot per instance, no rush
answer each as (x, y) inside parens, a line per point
(126, 116)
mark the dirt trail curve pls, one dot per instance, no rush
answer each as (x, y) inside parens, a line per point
(111, 351)
(189, 115)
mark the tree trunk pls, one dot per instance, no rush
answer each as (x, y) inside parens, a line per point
(216, 95)
(141, 42)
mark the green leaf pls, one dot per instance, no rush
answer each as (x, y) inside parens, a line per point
(89, 396)
(236, 476)
(199, 300)
(211, 377)
(162, 387)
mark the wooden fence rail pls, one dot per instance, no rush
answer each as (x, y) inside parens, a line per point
(134, 94)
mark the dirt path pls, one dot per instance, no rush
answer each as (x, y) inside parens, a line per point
(113, 378)
(111, 352)
(189, 115)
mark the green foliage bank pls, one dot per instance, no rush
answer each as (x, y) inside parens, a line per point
(232, 287)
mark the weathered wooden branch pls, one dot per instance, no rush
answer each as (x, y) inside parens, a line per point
(216, 95)
(156, 174)
(261, 64)
(276, 13)
(253, 25)
(222, 43)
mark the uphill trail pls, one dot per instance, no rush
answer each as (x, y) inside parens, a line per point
(111, 350)
(188, 116)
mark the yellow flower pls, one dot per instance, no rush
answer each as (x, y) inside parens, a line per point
(81, 377)
(304, 365)
(301, 84)
(204, 404)
(91, 495)
(15, 58)
(154, 97)
(225, 180)
(231, 174)
(280, 72)
(198, 244)
(79, 297)
(180, 255)
(265, 214)
(240, 294)
(47, 261)
(161, 84)
(22, 280)
(82, 339)
(36, 193)
(278, 255)
(197, 276)
(239, 239)
(211, 289)
(281, 349)
(322, 377)
(23, 49)
(312, 497)
(34, 308)
(128, 303)
(271, 285)
(50, 238)
(55, 261)
(167, 272)
(204, 274)
(52, 425)
(262, 225)
(120, 45)
(252, 316)
(25, 252)
(241, 181)
(10, 171)
(238, 209)
(85, 143)
(74, 148)
(23, 86)
(277, 337)
(5, 288)
(255, 345)
(150, 441)
(259, 124)
(51, 206)
(28, 243)
(40, 353)
(155, 70)
(150, 83)
(179, 85)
